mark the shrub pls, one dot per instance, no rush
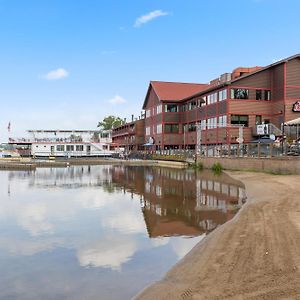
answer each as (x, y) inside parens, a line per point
(217, 168)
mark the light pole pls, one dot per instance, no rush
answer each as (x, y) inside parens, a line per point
(199, 139)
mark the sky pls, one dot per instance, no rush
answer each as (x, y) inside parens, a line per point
(67, 64)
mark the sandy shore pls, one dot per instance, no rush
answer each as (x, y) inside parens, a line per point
(254, 256)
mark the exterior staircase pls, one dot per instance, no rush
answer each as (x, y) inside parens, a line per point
(271, 129)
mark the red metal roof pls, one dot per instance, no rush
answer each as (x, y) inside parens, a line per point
(176, 91)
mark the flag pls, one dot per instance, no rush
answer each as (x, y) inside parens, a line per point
(8, 127)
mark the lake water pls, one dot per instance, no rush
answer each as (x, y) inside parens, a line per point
(103, 232)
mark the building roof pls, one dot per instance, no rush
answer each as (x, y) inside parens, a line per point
(258, 70)
(174, 91)
(269, 66)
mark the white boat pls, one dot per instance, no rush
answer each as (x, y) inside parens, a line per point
(65, 143)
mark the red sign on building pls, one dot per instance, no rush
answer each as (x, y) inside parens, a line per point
(296, 106)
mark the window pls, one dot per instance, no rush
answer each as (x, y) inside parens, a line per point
(205, 101)
(222, 95)
(79, 147)
(171, 128)
(147, 130)
(159, 128)
(203, 124)
(60, 148)
(211, 123)
(267, 95)
(208, 99)
(222, 121)
(239, 94)
(159, 109)
(171, 108)
(192, 105)
(263, 95)
(212, 98)
(240, 120)
(215, 97)
(258, 120)
(70, 147)
(148, 113)
(192, 127)
(200, 102)
(184, 107)
(258, 94)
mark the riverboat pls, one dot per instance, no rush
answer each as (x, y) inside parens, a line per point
(65, 143)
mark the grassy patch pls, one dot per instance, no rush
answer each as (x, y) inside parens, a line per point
(197, 166)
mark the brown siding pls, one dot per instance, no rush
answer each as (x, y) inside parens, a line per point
(152, 99)
(191, 115)
(244, 107)
(293, 93)
(212, 110)
(157, 119)
(171, 118)
(173, 139)
(259, 80)
(277, 93)
(191, 138)
(222, 107)
(293, 72)
(202, 113)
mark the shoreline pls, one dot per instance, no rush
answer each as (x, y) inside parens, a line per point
(253, 256)
(32, 164)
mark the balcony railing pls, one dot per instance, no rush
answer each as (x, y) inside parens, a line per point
(266, 129)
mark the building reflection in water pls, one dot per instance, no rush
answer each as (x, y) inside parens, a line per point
(179, 202)
(174, 202)
(104, 226)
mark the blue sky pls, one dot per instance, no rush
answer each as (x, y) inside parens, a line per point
(66, 64)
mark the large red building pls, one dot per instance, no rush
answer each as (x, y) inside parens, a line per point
(226, 111)
(163, 107)
(130, 136)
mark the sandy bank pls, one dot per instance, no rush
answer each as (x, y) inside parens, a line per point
(254, 256)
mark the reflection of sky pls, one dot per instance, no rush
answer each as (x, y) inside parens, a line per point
(77, 242)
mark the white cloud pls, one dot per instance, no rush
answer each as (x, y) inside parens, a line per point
(182, 246)
(149, 17)
(160, 241)
(117, 100)
(57, 74)
(110, 252)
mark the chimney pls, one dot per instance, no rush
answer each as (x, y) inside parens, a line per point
(132, 117)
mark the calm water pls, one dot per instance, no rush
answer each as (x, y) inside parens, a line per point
(103, 232)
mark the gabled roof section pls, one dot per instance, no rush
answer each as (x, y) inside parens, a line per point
(268, 66)
(259, 69)
(174, 91)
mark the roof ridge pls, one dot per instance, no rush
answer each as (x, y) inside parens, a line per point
(161, 81)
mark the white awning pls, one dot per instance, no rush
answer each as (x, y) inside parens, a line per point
(293, 122)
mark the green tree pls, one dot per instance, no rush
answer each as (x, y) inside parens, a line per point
(110, 122)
